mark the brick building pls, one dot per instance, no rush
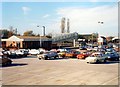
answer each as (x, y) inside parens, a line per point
(27, 42)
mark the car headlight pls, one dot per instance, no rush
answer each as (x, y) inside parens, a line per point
(109, 57)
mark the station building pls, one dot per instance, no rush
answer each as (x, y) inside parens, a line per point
(27, 42)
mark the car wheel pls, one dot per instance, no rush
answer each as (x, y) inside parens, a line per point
(55, 57)
(105, 61)
(46, 58)
(39, 58)
(87, 62)
(59, 56)
(9, 63)
(63, 56)
(97, 61)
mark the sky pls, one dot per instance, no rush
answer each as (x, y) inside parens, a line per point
(83, 16)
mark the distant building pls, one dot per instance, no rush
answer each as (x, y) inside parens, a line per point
(27, 42)
(89, 37)
(102, 40)
(116, 40)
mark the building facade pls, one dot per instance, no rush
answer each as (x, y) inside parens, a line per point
(27, 42)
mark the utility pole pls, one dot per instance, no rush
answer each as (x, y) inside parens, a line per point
(43, 30)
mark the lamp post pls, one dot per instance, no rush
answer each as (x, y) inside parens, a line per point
(100, 22)
(92, 39)
(43, 30)
(43, 34)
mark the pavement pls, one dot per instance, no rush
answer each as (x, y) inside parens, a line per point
(32, 71)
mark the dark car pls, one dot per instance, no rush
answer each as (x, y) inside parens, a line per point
(4, 60)
(12, 54)
(112, 56)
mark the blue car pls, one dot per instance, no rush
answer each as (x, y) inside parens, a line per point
(112, 56)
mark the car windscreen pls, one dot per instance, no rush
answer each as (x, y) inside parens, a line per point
(96, 55)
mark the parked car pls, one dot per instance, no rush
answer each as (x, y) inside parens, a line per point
(34, 52)
(72, 54)
(19, 53)
(96, 57)
(110, 50)
(62, 54)
(25, 52)
(82, 48)
(112, 56)
(47, 55)
(12, 54)
(61, 50)
(83, 55)
(4, 60)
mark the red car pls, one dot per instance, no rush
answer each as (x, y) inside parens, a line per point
(72, 54)
(83, 55)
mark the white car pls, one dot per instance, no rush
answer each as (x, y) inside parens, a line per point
(19, 53)
(47, 55)
(96, 57)
(34, 52)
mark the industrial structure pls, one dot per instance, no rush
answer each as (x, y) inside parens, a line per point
(63, 25)
(68, 26)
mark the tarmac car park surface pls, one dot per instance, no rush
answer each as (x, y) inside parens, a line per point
(32, 71)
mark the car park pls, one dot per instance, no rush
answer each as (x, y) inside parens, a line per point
(96, 57)
(47, 55)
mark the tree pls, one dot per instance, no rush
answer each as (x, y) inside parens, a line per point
(49, 35)
(7, 34)
(29, 33)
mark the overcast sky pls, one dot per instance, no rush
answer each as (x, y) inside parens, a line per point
(83, 16)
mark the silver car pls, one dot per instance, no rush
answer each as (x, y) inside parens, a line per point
(47, 55)
(96, 57)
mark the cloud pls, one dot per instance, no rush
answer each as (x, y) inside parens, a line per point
(45, 16)
(26, 10)
(85, 20)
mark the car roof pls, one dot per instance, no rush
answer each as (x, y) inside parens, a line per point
(97, 53)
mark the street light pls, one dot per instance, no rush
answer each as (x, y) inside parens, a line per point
(100, 22)
(43, 34)
(43, 30)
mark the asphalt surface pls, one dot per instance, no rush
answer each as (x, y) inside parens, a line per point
(32, 71)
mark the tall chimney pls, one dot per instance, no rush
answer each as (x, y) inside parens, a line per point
(68, 26)
(63, 25)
